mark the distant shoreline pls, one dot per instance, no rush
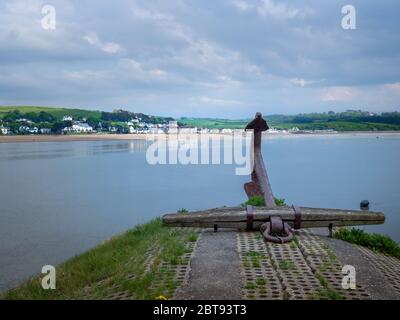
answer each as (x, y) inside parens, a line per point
(116, 137)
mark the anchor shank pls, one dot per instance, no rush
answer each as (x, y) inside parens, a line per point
(260, 185)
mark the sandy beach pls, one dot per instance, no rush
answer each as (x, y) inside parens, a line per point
(102, 137)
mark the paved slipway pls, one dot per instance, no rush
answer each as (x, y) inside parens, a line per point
(240, 265)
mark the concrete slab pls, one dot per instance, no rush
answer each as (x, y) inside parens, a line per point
(215, 268)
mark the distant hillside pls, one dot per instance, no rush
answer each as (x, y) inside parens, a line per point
(58, 113)
(351, 120)
(211, 123)
(31, 112)
(45, 120)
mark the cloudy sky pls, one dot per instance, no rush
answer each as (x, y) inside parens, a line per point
(222, 58)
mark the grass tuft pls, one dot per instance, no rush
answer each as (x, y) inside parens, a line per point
(258, 201)
(374, 241)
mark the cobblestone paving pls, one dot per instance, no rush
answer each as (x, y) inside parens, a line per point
(388, 266)
(296, 275)
(322, 260)
(260, 279)
(303, 269)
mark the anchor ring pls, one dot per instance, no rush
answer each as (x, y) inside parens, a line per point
(285, 235)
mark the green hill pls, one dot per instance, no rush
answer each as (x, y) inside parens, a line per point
(58, 113)
(351, 120)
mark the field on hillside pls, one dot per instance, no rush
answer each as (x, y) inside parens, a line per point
(279, 122)
(213, 123)
(345, 121)
(56, 112)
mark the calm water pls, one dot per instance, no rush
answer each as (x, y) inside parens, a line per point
(59, 199)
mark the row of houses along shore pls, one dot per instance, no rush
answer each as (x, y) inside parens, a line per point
(134, 126)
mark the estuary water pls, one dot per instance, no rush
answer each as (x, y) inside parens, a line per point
(58, 199)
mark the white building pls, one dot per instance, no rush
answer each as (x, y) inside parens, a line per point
(133, 122)
(26, 129)
(238, 131)
(187, 130)
(294, 129)
(24, 120)
(156, 130)
(33, 130)
(226, 131)
(173, 127)
(143, 130)
(23, 129)
(81, 127)
(4, 130)
(45, 130)
(67, 118)
(132, 130)
(203, 130)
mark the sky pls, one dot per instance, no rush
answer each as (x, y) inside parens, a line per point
(222, 58)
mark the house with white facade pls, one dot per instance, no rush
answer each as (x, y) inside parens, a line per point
(26, 129)
(4, 130)
(45, 130)
(81, 128)
(202, 130)
(132, 129)
(226, 131)
(173, 127)
(187, 130)
(67, 118)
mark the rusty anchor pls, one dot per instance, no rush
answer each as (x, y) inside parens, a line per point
(274, 230)
(259, 185)
(277, 224)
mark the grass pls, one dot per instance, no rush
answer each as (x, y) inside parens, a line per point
(275, 121)
(98, 269)
(288, 122)
(326, 292)
(258, 201)
(55, 111)
(250, 285)
(340, 126)
(374, 241)
(253, 259)
(213, 123)
(286, 264)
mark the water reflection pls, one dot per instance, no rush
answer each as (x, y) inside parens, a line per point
(37, 151)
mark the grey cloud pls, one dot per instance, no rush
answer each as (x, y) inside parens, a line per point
(196, 57)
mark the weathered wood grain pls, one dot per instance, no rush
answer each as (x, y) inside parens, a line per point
(236, 217)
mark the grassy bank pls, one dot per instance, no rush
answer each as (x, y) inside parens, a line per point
(139, 263)
(374, 241)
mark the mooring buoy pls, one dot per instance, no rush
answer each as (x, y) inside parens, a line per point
(364, 205)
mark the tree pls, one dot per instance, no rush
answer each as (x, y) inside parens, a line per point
(12, 116)
(58, 126)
